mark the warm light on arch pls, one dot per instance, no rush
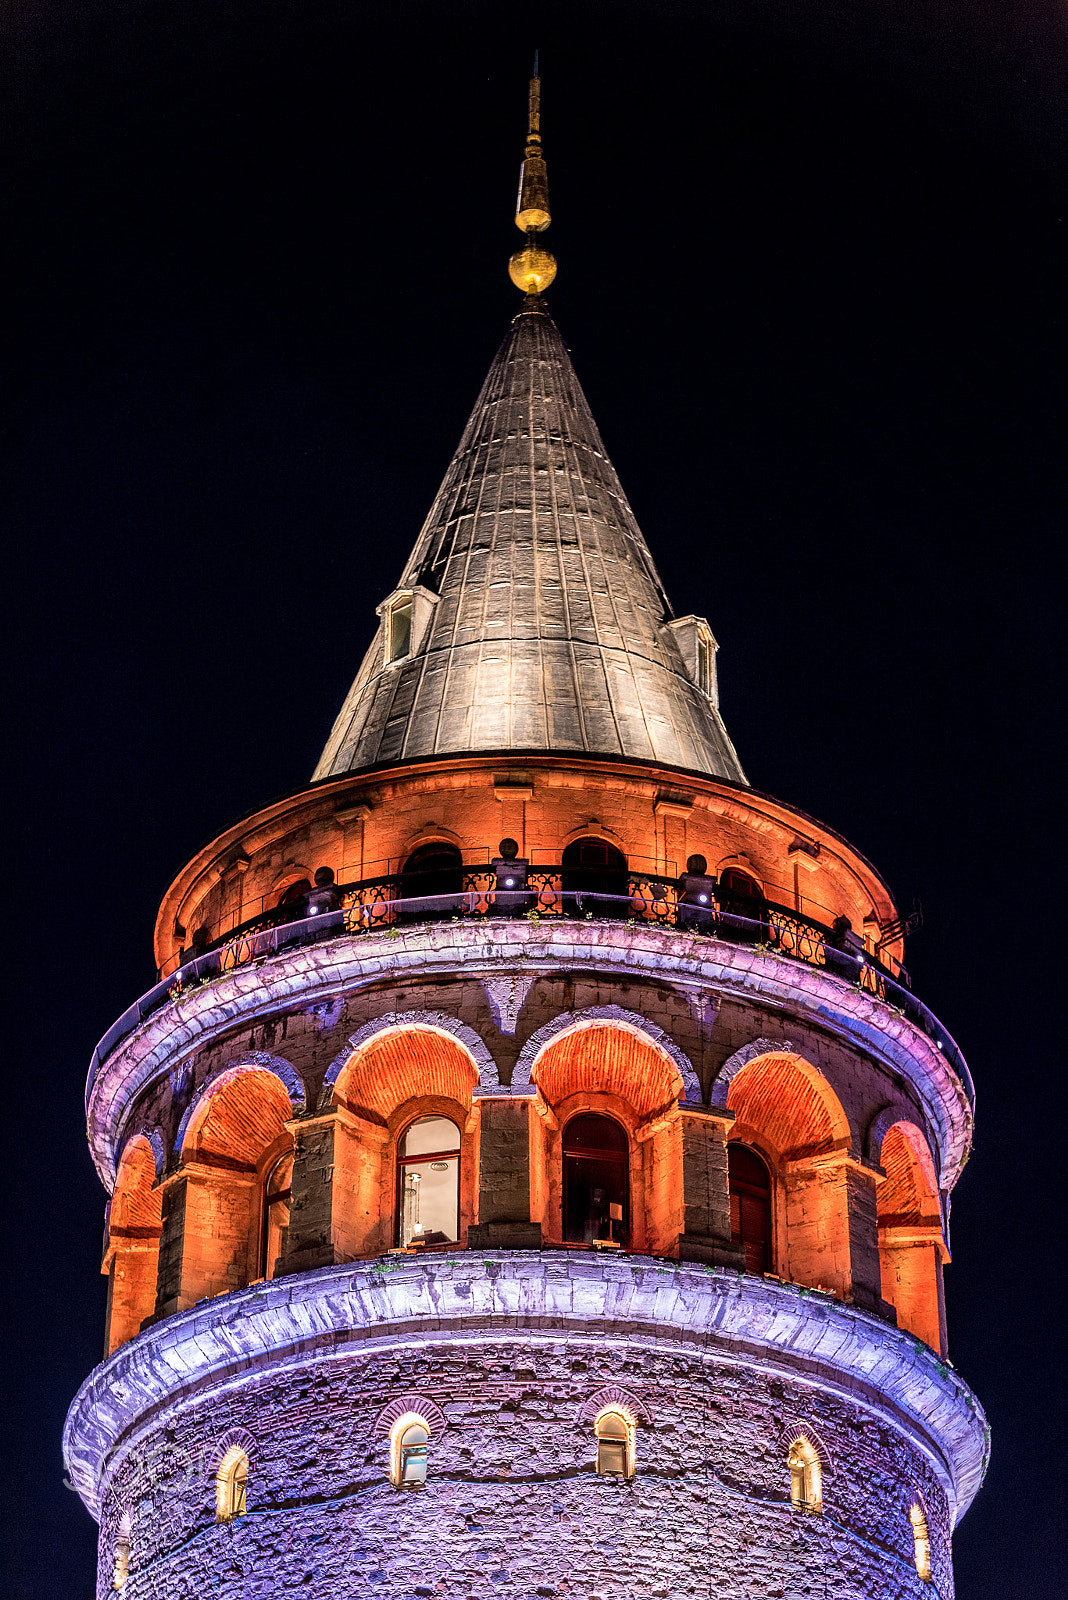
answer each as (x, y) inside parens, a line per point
(611, 1058)
(789, 1104)
(409, 1062)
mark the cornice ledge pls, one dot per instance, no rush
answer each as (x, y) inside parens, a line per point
(726, 1315)
(316, 971)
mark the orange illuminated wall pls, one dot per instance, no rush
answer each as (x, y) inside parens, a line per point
(787, 1111)
(911, 1247)
(132, 1256)
(393, 1080)
(229, 1148)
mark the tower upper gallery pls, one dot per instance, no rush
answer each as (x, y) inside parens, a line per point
(530, 615)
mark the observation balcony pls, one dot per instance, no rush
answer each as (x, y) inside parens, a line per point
(387, 906)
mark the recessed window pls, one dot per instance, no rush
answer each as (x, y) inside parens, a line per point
(750, 1194)
(737, 882)
(409, 1449)
(428, 1183)
(399, 626)
(277, 1195)
(704, 664)
(596, 1181)
(121, 1567)
(921, 1542)
(231, 1485)
(806, 1479)
(615, 1444)
(594, 867)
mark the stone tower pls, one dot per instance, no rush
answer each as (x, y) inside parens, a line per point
(531, 1172)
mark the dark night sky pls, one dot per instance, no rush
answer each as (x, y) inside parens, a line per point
(811, 271)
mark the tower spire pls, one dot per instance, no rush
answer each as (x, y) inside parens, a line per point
(532, 269)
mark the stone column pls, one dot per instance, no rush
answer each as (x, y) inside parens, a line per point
(308, 1239)
(504, 1177)
(706, 1234)
(863, 1214)
(171, 1247)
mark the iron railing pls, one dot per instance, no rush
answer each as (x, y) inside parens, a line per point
(387, 905)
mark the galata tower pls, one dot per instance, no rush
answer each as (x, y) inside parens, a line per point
(530, 1175)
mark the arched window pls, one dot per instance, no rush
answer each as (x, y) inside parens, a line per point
(121, 1568)
(277, 1195)
(231, 1485)
(428, 1183)
(750, 1191)
(921, 1541)
(294, 892)
(430, 872)
(806, 1479)
(615, 1444)
(734, 881)
(596, 1181)
(399, 628)
(594, 867)
(409, 1444)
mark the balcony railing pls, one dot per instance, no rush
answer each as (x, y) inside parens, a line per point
(388, 905)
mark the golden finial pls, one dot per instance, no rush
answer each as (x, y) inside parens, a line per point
(533, 269)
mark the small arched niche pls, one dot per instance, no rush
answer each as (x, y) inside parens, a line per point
(921, 1540)
(409, 1451)
(614, 1430)
(806, 1475)
(231, 1485)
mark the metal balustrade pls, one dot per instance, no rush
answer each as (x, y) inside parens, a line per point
(381, 906)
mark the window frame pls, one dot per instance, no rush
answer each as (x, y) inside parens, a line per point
(421, 1159)
(231, 1485)
(404, 1423)
(626, 1439)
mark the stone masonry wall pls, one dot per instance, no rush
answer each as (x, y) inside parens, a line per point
(513, 1506)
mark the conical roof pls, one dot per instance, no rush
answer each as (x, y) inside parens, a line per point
(537, 619)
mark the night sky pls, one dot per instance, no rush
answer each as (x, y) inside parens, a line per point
(812, 278)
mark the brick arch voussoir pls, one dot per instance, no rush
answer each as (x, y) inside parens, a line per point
(154, 1139)
(603, 1399)
(880, 1126)
(421, 1405)
(570, 1020)
(251, 1061)
(435, 1022)
(797, 1428)
(730, 1069)
(232, 1439)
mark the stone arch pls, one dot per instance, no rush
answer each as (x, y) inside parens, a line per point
(415, 1021)
(880, 1126)
(911, 1241)
(734, 1064)
(419, 1404)
(790, 1103)
(232, 1439)
(610, 1397)
(794, 1430)
(569, 1021)
(154, 1138)
(135, 1226)
(251, 1061)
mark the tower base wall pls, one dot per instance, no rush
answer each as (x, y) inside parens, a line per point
(512, 1357)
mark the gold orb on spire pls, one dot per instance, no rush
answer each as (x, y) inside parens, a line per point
(533, 268)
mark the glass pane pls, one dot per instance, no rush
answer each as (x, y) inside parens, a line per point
(400, 631)
(430, 1189)
(612, 1426)
(611, 1456)
(413, 1454)
(430, 1134)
